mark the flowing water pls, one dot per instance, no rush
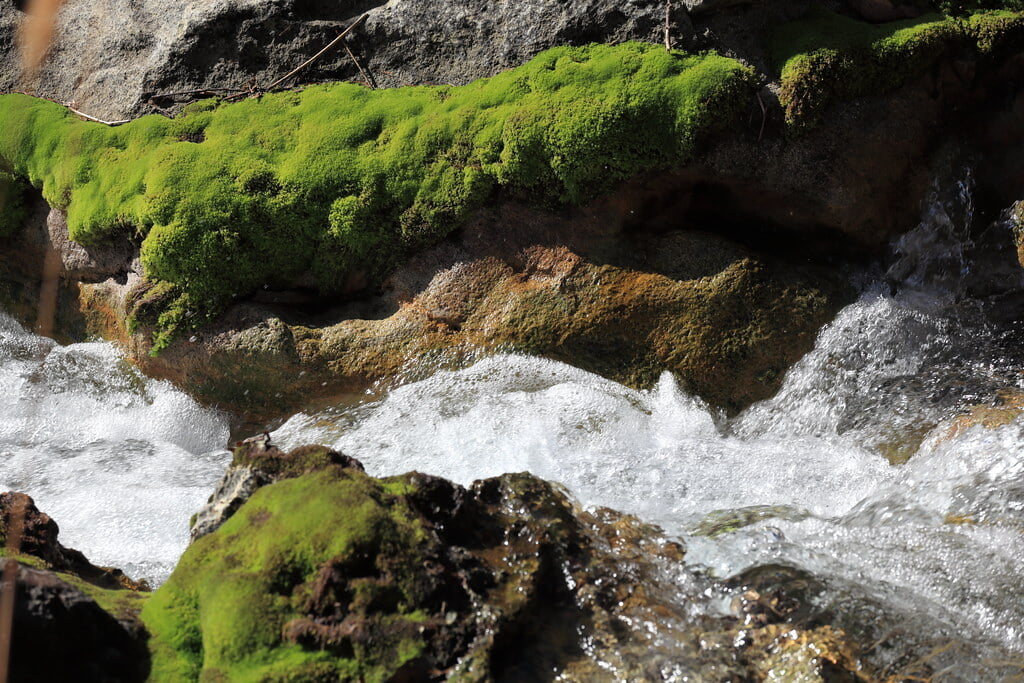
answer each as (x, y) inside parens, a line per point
(118, 460)
(856, 471)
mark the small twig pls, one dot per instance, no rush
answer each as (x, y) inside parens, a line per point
(200, 91)
(93, 118)
(317, 56)
(668, 25)
(764, 116)
(366, 77)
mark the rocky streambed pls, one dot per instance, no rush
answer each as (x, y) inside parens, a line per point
(742, 316)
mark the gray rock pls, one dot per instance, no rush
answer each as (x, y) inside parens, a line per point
(93, 263)
(110, 57)
(235, 487)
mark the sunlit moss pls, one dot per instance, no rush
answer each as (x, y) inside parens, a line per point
(339, 178)
(223, 610)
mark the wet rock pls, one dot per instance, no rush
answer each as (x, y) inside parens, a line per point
(421, 579)
(774, 594)
(257, 463)
(727, 323)
(61, 634)
(37, 537)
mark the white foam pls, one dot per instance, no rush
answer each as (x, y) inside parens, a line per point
(120, 461)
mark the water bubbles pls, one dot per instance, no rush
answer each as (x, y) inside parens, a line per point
(120, 461)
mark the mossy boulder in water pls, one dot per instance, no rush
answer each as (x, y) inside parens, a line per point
(335, 575)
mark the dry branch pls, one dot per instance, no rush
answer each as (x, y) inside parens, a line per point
(93, 118)
(317, 56)
(668, 25)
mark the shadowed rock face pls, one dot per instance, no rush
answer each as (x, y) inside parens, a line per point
(60, 634)
(72, 619)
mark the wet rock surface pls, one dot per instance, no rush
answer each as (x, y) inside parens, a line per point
(416, 578)
(61, 634)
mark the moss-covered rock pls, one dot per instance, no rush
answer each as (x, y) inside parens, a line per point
(335, 575)
(829, 57)
(257, 463)
(338, 181)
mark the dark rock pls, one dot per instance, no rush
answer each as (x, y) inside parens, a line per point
(416, 578)
(60, 634)
(38, 538)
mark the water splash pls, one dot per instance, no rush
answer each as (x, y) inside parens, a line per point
(850, 472)
(120, 461)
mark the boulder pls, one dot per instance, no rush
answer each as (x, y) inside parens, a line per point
(336, 575)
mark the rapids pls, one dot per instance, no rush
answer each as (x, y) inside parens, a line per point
(853, 471)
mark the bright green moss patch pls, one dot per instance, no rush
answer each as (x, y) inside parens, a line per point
(338, 181)
(225, 610)
(830, 57)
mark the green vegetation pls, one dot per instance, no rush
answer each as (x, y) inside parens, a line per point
(13, 210)
(829, 57)
(338, 182)
(225, 612)
(960, 7)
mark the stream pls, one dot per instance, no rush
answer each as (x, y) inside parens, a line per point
(856, 471)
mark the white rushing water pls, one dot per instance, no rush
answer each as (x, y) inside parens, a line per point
(802, 479)
(817, 477)
(118, 460)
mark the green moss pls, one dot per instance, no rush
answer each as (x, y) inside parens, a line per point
(338, 179)
(222, 613)
(13, 207)
(830, 57)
